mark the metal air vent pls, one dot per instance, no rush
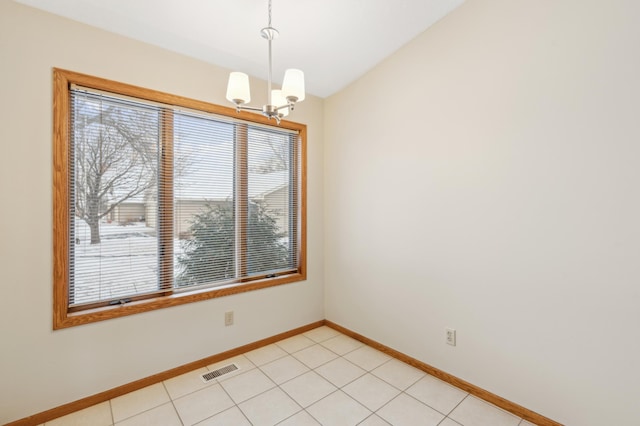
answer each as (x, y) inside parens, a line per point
(211, 375)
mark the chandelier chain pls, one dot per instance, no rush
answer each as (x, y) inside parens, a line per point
(269, 14)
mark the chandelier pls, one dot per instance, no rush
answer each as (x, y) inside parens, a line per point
(279, 102)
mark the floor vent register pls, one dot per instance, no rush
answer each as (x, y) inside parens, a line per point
(211, 375)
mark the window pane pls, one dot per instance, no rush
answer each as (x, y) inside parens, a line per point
(203, 201)
(270, 228)
(113, 250)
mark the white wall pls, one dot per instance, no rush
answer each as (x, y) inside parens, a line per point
(485, 177)
(41, 368)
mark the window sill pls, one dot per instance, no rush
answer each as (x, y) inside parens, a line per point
(72, 319)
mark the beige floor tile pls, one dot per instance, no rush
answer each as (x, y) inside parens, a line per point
(373, 420)
(526, 423)
(269, 408)
(242, 362)
(341, 344)
(338, 409)
(405, 410)
(164, 415)
(98, 415)
(449, 422)
(231, 417)
(314, 356)
(474, 411)
(308, 388)
(266, 354)
(284, 369)
(301, 419)
(136, 402)
(371, 391)
(436, 394)
(367, 358)
(321, 334)
(186, 383)
(295, 343)
(398, 374)
(247, 385)
(202, 404)
(340, 371)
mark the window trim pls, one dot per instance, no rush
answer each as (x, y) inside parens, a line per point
(62, 316)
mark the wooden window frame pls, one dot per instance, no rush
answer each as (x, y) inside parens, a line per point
(63, 316)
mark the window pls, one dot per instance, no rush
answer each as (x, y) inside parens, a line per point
(161, 200)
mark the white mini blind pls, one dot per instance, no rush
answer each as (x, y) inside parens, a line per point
(204, 200)
(271, 232)
(114, 174)
(165, 199)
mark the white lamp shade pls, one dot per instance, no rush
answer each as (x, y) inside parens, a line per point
(278, 99)
(238, 90)
(293, 84)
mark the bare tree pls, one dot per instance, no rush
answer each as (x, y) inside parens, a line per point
(276, 156)
(115, 157)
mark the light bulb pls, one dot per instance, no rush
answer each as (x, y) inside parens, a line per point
(238, 90)
(293, 85)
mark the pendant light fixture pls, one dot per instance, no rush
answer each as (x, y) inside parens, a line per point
(279, 102)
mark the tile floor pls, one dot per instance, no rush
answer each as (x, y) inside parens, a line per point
(320, 377)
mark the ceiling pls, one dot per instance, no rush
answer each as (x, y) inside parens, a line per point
(333, 41)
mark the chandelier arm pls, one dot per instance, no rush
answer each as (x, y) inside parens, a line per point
(247, 108)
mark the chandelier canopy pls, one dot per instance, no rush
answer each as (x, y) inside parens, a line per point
(279, 102)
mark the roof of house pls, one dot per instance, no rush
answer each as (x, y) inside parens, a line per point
(221, 187)
(201, 185)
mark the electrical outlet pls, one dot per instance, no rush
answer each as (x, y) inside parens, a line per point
(450, 336)
(228, 318)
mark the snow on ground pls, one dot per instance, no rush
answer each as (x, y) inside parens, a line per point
(124, 263)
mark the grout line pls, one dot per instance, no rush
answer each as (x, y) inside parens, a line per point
(275, 385)
(234, 402)
(311, 415)
(241, 412)
(301, 349)
(346, 353)
(301, 374)
(374, 414)
(424, 403)
(457, 405)
(450, 419)
(275, 359)
(392, 385)
(145, 411)
(349, 396)
(320, 365)
(294, 414)
(172, 403)
(348, 383)
(222, 379)
(206, 385)
(385, 404)
(113, 420)
(499, 409)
